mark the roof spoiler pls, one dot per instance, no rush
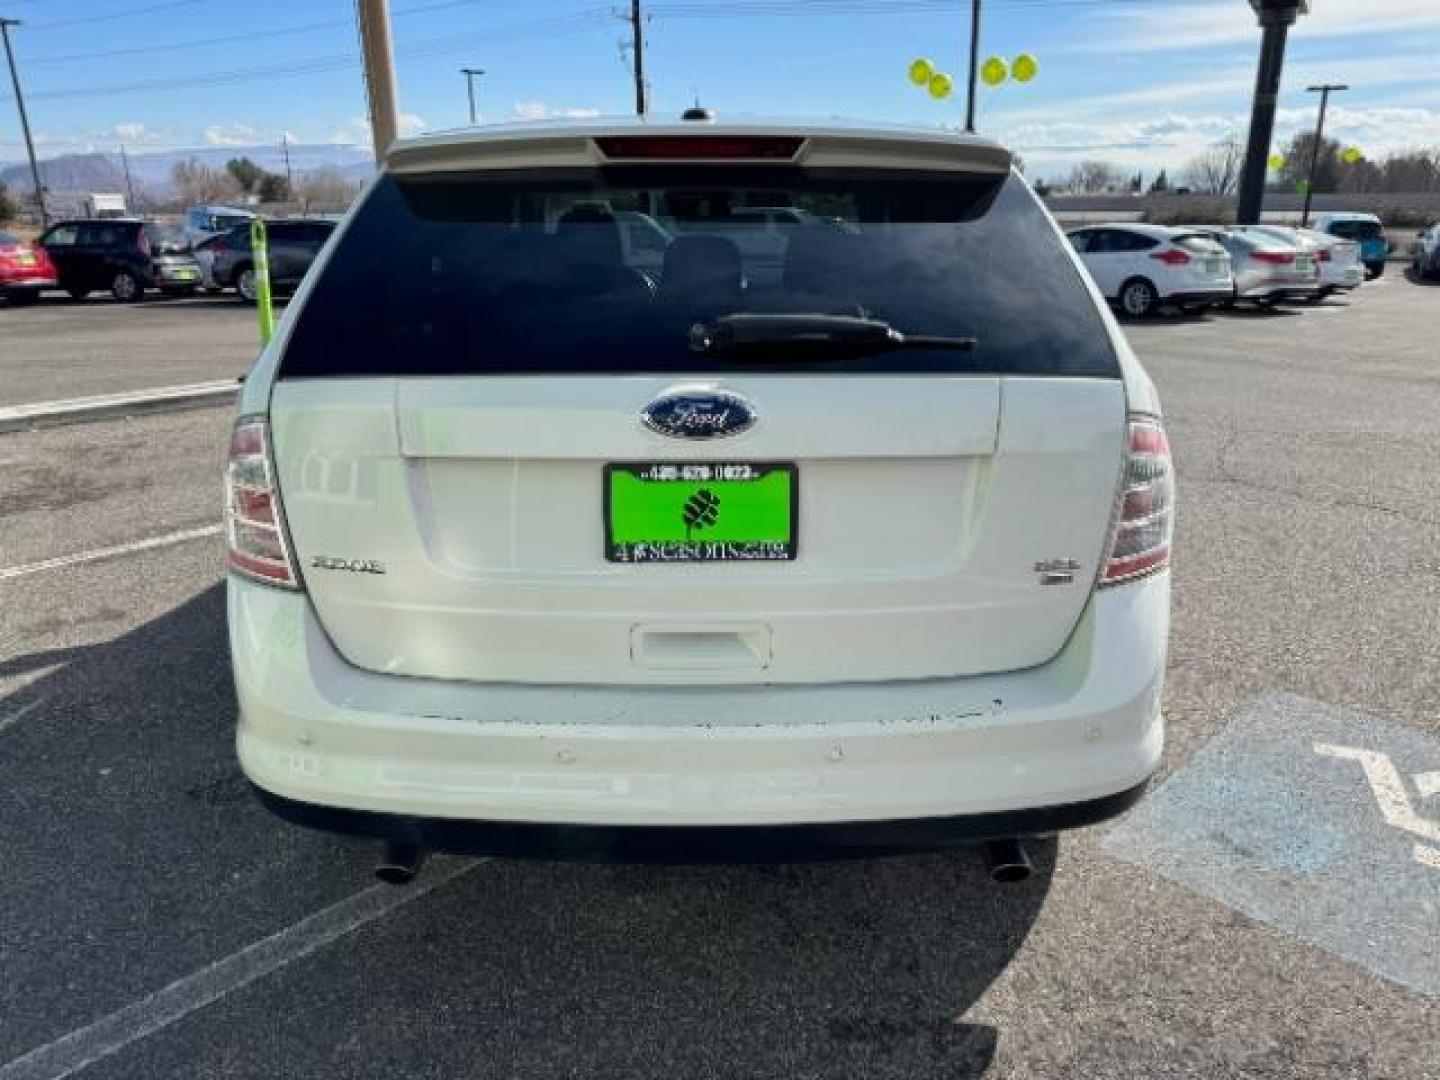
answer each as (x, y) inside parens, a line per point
(862, 149)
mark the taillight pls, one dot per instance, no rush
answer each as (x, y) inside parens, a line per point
(1275, 258)
(1171, 257)
(1145, 520)
(254, 521)
(1323, 255)
(699, 147)
(144, 242)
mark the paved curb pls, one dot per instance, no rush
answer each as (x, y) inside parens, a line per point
(109, 406)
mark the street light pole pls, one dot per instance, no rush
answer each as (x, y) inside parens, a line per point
(129, 186)
(5, 25)
(1324, 91)
(974, 64)
(470, 74)
(1276, 17)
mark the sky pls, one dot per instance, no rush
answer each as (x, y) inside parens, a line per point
(1144, 84)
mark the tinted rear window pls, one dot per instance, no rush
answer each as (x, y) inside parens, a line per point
(529, 273)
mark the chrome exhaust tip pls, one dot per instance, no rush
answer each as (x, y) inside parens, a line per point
(399, 863)
(1008, 862)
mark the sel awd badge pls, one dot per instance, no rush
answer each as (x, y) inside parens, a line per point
(699, 414)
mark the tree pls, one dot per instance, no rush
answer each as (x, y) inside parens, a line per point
(1416, 170)
(326, 186)
(197, 182)
(1093, 177)
(7, 204)
(274, 188)
(1217, 170)
(1297, 162)
(246, 173)
(1161, 184)
(1361, 177)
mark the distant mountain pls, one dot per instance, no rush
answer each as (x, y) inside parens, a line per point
(150, 172)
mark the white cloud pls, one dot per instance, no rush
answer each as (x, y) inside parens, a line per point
(538, 110)
(356, 130)
(1170, 141)
(232, 135)
(1207, 24)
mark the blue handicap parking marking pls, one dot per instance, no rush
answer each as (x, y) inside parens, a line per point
(1322, 822)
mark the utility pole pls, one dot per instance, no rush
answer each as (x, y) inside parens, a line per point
(974, 64)
(470, 74)
(5, 25)
(1275, 17)
(129, 187)
(1324, 91)
(289, 176)
(373, 17)
(637, 48)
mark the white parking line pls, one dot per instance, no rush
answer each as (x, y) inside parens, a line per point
(88, 1045)
(8, 572)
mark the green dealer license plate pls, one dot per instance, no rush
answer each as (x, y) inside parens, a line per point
(700, 512)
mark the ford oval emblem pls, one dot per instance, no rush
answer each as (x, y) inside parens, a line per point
(699, 414)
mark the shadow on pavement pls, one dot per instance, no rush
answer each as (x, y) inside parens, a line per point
(135, 855)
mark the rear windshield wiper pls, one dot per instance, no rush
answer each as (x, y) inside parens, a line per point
(812, 336)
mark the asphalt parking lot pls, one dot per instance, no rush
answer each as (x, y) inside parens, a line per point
(1260, 914)
(59, 349)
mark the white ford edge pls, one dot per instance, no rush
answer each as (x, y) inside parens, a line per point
(536, 551)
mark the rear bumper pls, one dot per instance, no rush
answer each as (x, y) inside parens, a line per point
(1279, 291)
(354, 751)
(696, 843)
(19, 283)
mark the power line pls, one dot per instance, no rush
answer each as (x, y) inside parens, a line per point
(316, 64)
(125, 13)
(231, 39)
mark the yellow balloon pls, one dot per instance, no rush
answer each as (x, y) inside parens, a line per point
(920, 71)
(994, 71)
(941, 85)
(1353, 156)
(1276, 162)
(1025, 67)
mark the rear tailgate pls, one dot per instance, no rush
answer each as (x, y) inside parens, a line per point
(482, 499)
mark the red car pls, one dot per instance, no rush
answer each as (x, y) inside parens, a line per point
(25, 269)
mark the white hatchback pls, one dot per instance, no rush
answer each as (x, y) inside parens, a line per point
(535, 550)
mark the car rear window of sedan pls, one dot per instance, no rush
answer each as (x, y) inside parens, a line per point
(510, 272)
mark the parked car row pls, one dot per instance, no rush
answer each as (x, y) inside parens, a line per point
(129, 257)
(1141, 268)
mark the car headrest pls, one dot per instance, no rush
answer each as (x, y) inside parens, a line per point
(702, 264)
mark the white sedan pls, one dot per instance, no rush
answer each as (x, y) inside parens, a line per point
(1142, 267)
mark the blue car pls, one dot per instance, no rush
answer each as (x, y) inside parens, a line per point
(1365, 230)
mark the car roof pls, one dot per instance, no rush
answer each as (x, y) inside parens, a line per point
(571, 143)
(1155, 232)
(1349, 215)
(216, 208)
